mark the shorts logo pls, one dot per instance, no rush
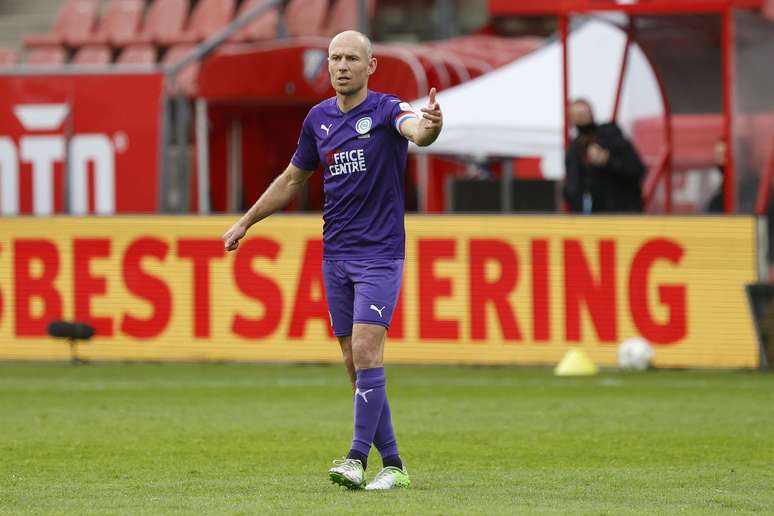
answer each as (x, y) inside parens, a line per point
(363, 125)
(377, 309)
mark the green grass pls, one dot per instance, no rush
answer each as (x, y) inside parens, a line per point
(247, 439)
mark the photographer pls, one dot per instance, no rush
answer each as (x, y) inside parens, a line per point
(603, 172)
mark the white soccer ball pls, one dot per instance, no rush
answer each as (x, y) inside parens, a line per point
(635, 353)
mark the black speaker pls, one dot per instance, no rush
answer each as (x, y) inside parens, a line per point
(484, 195)
(761, 299)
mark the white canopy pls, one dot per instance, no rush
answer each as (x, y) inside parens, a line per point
(516, 110)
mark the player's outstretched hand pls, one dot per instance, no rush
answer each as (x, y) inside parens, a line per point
(232, 236)
(431, 115)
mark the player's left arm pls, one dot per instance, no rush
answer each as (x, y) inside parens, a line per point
(424, 131)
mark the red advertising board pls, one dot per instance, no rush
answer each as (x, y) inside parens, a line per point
(105, 127)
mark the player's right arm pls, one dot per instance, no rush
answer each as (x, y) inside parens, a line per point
(279, 194)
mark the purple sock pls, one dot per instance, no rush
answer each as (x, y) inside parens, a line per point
(370, 396)
(384, 438)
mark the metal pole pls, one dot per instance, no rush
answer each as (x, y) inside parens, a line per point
(506, 185)
(282, 28)
(668, 135)
(202, 156)
(563, 31)
(163, 157)
(235, 166)
(622, 73)
(180, 188)
(67, 176)
(451, 194)
(422, 181)
(447, 24)
(362, 16)
(729, 185)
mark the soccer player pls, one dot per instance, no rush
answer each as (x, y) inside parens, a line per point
(361, 138)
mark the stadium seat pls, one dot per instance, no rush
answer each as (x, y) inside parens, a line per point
(305, 17)
(263, 27)
(767, 10)
(141, 54)
(163, 24)
(92, 55)
(46, 56)
(207, 19)
(118, 24)
(74, 23)
(8, 57)
(185, 82)
(344, 16)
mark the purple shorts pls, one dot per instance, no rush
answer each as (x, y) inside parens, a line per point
(361, 291)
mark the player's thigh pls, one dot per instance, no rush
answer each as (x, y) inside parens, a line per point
(340, 294)
(377, 287)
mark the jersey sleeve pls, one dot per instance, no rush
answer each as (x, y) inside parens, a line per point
(306, 156)
(399, 112)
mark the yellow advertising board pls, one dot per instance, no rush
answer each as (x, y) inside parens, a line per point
(477, 289)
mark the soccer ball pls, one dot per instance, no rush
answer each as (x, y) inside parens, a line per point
(635, 353)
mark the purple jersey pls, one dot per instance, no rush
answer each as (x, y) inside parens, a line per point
(364, 161)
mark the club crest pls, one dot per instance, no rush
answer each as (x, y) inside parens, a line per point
(363, 125)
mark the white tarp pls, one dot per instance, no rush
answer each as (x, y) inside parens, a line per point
(516, 110)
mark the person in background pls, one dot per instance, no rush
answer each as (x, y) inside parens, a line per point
(603, 172)
(747, 178)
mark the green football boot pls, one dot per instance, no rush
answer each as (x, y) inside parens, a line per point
(348, 473)
(389, 478)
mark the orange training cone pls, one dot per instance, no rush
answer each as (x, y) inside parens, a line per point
(576, 363)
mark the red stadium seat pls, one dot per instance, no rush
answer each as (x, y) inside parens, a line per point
(141, 54)
(47, 56)
(344, 16)
(8, 57)
(768, 9)
(263, 27)
(306, 17)
(164, 23)
(74, 24)
(92, 55)
(119, 23)
(185, 82)
(207, 19)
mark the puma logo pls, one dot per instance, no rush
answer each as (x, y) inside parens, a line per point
(377, 310)
(326, 129)
(362, 394)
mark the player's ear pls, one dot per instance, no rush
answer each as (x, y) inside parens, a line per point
(372, 66)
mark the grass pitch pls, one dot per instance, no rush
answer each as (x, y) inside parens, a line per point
(246, 439)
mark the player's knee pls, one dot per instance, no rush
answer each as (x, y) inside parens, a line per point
(366, 353)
